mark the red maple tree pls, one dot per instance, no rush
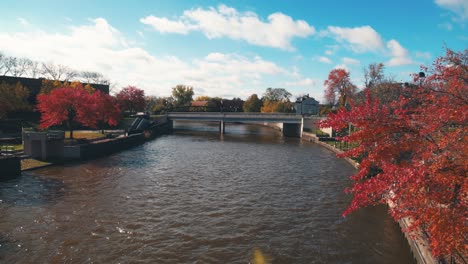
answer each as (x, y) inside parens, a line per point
(131, 99)
(414, 153)
(75, 105)
(107, 109)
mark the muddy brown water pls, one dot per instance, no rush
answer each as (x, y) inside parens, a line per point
(196, 197)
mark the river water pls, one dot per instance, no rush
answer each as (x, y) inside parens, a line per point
(196, 197)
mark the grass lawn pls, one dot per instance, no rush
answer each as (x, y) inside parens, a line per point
(84, 134)
(317, 132)
(11, 147)
(32, 163)
(342, 145)
(18, 147)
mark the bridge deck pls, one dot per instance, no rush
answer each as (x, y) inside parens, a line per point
(236, 117)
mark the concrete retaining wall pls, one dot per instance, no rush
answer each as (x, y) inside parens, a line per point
(101, 148)
(313, 138)
(108, 146)
(72, 152)
(10, 167)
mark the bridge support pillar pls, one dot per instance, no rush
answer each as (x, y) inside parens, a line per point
(292, 130)
(221, 127)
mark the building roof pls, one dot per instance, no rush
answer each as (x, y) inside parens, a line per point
(200, 103)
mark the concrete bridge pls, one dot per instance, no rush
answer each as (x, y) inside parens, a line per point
(291, 124)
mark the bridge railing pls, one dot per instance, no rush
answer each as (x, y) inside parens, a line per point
(236, 114)
(237, 117)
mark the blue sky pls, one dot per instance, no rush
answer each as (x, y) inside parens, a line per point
(233, 48)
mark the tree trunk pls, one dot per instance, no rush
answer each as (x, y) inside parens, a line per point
(70, 127)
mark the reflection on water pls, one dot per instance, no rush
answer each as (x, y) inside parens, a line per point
(30, 191)
(196, 197)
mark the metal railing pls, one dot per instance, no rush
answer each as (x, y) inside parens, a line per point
(7, 150)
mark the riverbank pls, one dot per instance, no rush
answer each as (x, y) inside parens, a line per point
(97, 147)
(420, 248)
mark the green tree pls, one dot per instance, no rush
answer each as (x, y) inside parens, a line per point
(13, 98)
(162, 105)
(182, 95)
(276, 94)
(277, 107)
(202, 98)
(150, 102)
(252, 104)
(276, 100)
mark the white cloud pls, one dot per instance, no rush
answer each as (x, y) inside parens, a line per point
(351, 61)
(23, 21)
(359, 39)
(447, 26)
(423, 55)
(342, 66)
(331, 49)
(98, 46)
(225, 21)
(215, 56)
(459, 7)
(400, 55)
(305, 82)
(366, 39)
(298, 58)
(165, 25)
(324, 60)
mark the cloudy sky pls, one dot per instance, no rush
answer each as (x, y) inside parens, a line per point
(233, 48)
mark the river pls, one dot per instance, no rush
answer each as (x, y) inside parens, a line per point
(196, 197)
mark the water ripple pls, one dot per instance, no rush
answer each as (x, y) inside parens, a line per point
(194, 197)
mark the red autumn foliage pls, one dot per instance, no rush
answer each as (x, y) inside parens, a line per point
(108, 111)
(75, 105)
(414, 153)
(338, 82)
(131, 99)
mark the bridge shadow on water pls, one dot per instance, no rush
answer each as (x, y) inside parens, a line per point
(234, 132)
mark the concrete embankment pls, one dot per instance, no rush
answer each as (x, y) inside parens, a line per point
(313, 138)
(104, 147)
(420, 248)
(92, 149)
(10, 167)
(108, 146)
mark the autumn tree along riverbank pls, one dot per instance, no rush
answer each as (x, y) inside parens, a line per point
(414, 152)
